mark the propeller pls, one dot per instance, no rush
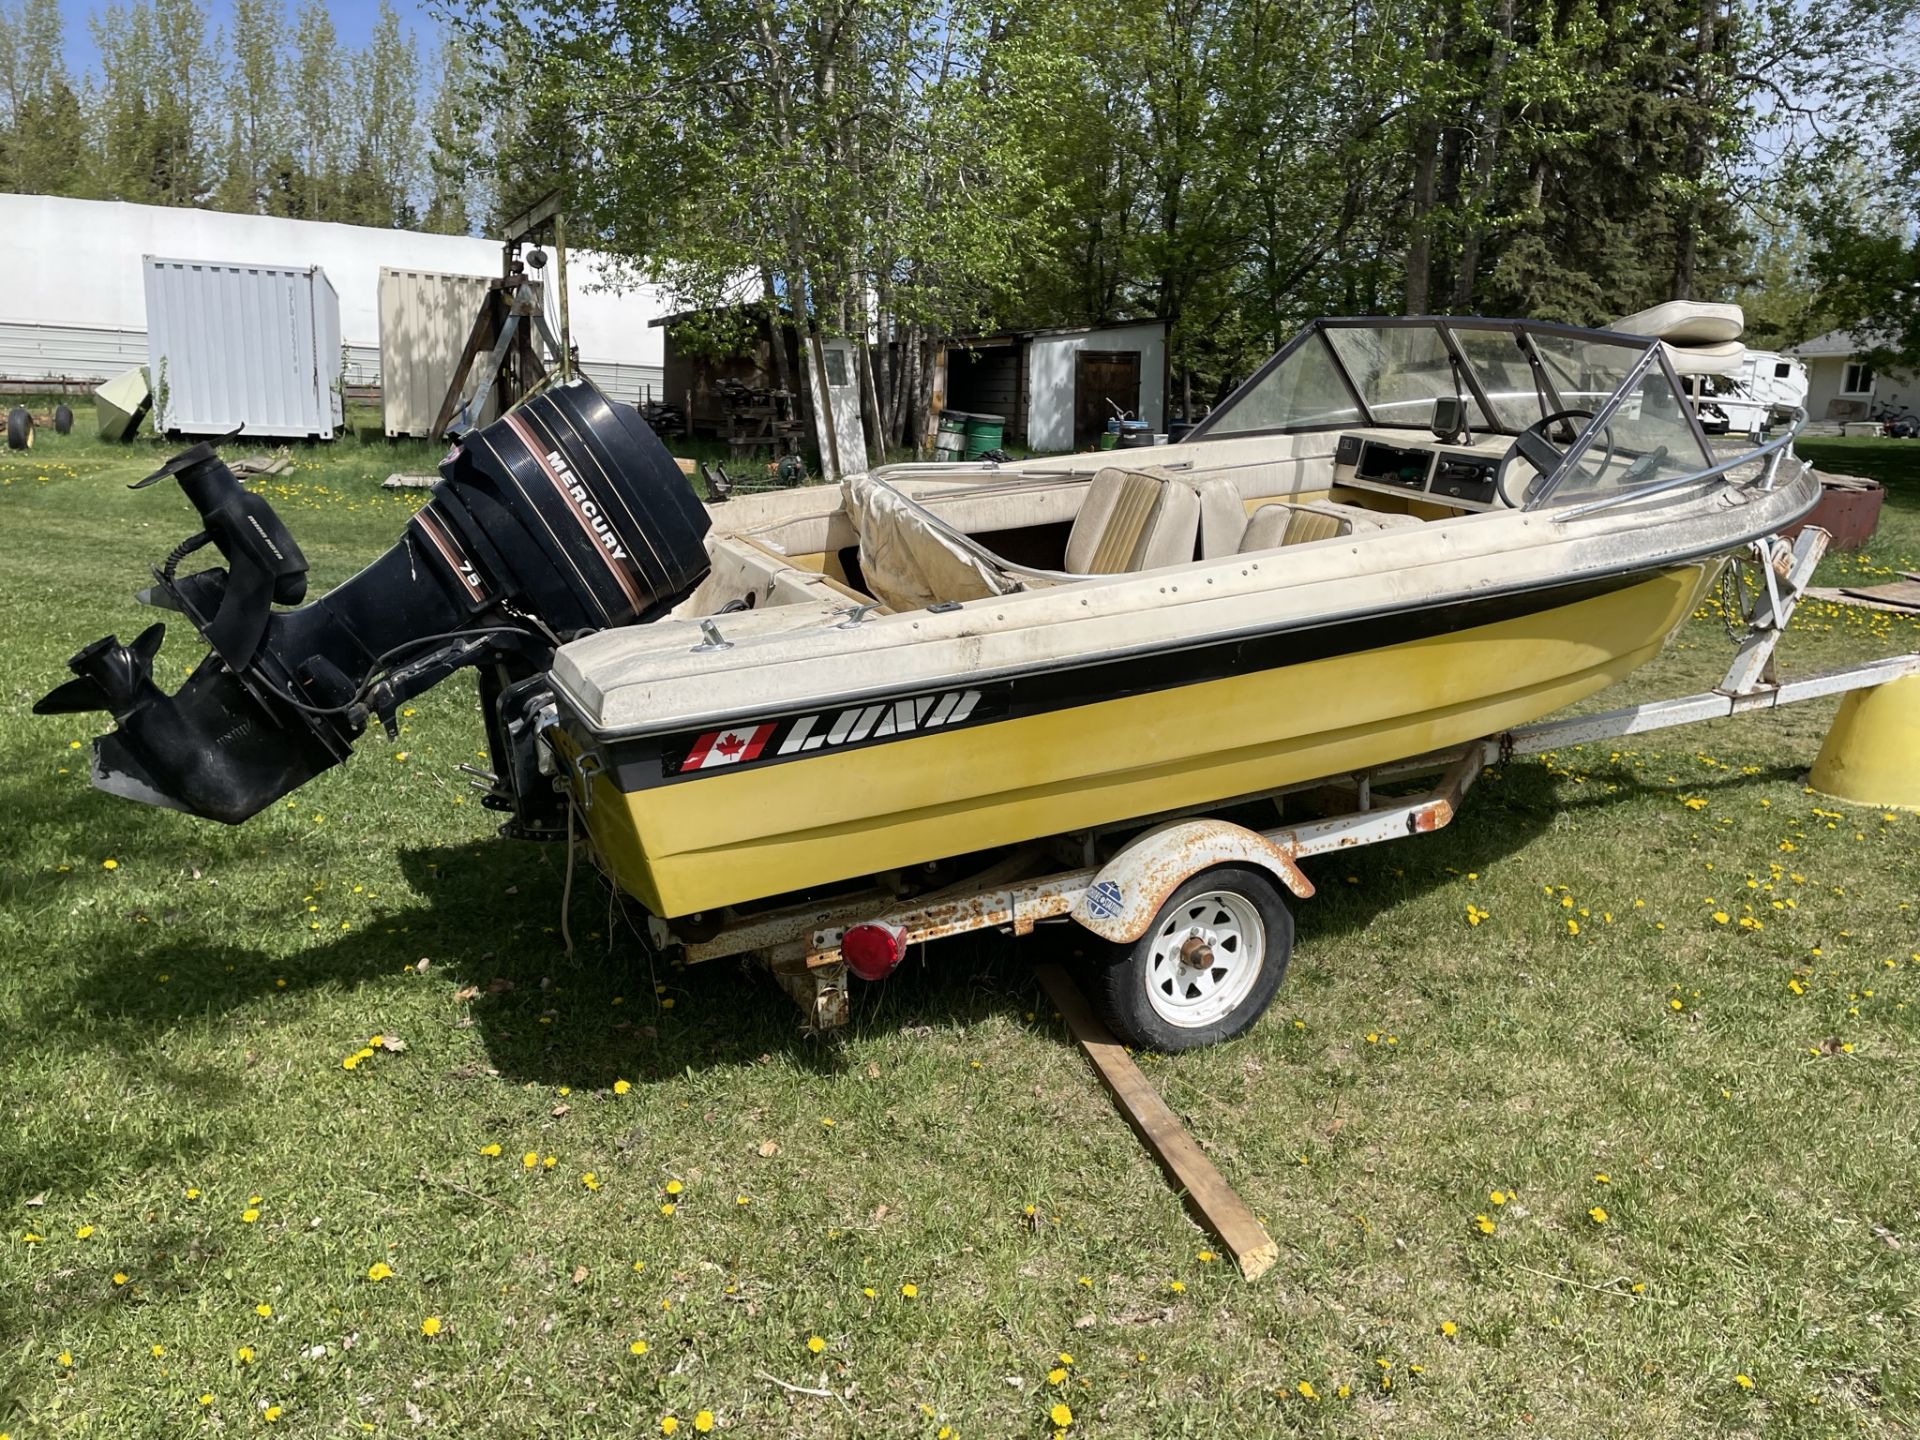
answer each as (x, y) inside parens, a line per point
(109, 676)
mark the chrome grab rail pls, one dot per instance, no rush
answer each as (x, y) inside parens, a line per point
(1773, 450)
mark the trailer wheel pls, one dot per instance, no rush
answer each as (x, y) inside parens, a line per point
(1206, 968)
(63, 419)
(19, 429)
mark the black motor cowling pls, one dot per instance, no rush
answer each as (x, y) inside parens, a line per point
(564, 516)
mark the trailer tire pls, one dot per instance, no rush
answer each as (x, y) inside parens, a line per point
(63, 419)
(19, 429)
(1234, 922)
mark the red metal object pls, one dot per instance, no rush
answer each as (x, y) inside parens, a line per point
(1849, 509)
(872, 950)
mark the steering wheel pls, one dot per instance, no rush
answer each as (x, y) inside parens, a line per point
(1533, 446)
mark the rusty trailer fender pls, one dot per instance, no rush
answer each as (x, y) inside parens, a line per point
(1123, 898)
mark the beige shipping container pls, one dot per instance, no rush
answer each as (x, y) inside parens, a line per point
(425, 319)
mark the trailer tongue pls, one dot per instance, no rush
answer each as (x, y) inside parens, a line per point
(564, 517)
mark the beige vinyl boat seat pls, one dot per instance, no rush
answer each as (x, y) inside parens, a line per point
(1133, 520)
(1282, 523)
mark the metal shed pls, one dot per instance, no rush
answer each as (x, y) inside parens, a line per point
(425, 317)
(254, 348)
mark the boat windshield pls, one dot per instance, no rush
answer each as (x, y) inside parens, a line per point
(1625, 422)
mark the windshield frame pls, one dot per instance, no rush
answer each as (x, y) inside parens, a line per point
(1653, 355)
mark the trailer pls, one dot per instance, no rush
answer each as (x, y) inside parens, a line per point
(1197, 902)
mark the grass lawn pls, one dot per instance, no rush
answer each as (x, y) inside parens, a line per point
(1674, 1070)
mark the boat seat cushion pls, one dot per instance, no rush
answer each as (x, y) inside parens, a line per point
(1133, 520)
(1280, 523)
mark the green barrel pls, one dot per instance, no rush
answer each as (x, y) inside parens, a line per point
(984, 433)
(951, 438)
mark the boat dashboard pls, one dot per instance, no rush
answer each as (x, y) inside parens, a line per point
(1459, 476)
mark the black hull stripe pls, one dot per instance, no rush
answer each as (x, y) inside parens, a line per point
(645, 761)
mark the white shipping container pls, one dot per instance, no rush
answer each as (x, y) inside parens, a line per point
(253, 348)
(425, 318)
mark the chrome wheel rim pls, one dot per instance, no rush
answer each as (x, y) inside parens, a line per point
(1205, 958)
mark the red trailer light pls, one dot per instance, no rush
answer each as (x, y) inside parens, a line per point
(873, 951)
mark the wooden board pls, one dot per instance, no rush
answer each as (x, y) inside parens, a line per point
(1204, 1188)
(687, 467)
(1867, 600)
(1903, 593)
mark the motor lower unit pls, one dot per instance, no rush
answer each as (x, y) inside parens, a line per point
(563, 517)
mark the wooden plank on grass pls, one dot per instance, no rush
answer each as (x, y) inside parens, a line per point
(1219, 1208)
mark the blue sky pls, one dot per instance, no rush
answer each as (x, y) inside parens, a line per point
(352, 18)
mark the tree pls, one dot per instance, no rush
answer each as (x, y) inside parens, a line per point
(255, 154)
(379, 187)
(319, 111)
(861, 157)
(42, 130)
(453, 128)
(154, 110)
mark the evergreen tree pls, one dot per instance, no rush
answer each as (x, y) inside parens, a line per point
(43, 141)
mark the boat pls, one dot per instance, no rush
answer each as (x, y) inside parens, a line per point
(1396, 537)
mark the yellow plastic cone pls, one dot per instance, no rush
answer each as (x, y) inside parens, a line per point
(1871, 756)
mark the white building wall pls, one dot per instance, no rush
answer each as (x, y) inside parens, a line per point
(74, 278)
(1050, 372)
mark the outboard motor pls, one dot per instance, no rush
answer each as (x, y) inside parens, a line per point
(563, 517)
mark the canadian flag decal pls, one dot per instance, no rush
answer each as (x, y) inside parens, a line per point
(727, 747)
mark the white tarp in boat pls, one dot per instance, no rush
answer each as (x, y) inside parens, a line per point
(908, 563)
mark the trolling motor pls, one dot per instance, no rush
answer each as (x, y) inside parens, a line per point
(563, 517)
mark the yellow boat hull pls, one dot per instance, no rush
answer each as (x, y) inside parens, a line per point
(751, 831)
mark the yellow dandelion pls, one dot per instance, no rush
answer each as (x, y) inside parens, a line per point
(621, 1087)
(206, 1399)
(668, 1208)
(83, 1232)
(490, 1151)
(109, 864)
(910, 1290)
(1178, 1287)
(674, 1187)
(64, 1360)
(1061, 1415)
(1745, 1382)
(638, 1347)
(669, 1424)
(244, 1354)
(247, 1217)
(1306, 1391)
(816, 1344)
(703, 1422)
(263, 1310)
(1597, 1215)
(1449, 1329)
(1485, 1224)
(430, 1325)
(529, 1160)
(272, 1413)
(1497, 1197)
(159, 1352)
(380, 1270)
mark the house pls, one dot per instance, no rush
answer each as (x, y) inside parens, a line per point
(1057, 388)
(1842, 386)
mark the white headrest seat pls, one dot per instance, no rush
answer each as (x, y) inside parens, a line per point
(1133, 520)
(1726, 357)
(1685, 322)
